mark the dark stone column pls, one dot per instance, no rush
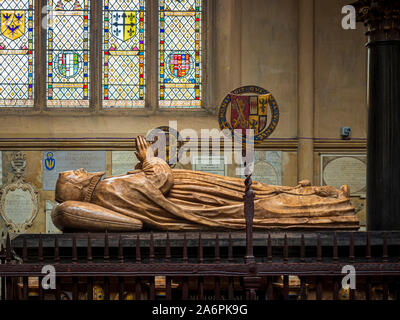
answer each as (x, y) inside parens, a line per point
(382, 19)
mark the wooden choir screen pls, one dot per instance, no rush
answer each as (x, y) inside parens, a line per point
(201, 266)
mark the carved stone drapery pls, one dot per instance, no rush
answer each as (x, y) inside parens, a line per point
(381, 17)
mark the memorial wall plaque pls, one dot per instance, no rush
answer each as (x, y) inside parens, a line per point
(19, 202)
(3, 237)
(19, 206)
(123, 161)
(55, 162)
(180, 166)
(1, 168)
(339, 170)
(50, 227)
(210, 164)
(268, 167)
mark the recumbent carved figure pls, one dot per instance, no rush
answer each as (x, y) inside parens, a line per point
(156, 197)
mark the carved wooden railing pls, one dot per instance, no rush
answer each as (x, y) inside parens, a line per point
(237, 265)
(191, 262)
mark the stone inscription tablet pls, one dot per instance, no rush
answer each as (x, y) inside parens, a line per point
(50, 227)
(18, 205)
(345, 170)
(1, 168)
(268, 167)
(55, 162)
(211, 164)
(123, 161)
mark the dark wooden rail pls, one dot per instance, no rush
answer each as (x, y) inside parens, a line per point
(190, 262)
(209, 265)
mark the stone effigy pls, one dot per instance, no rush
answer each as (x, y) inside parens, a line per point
(156, 197)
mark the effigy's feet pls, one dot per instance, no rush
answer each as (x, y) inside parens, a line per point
(346, 191)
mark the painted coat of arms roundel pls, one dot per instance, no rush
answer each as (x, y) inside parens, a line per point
(12, 24)
(124, 24)
(249, 107)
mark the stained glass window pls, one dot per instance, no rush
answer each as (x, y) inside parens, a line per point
(124, 53)
(68, 53)
(180, 53)
(16, 53)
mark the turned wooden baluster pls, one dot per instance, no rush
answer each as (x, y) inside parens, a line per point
(74, 251)
(185, 280)
(106, 248)
(167, 249)
(89, 248)
(106, 260)
(249, 216)
(121, 287)
(151, 250)
(25, 279)
(8, 280)
(120, 250)
(41, 260)
(138, 255)
(252, 281)
(200, 291)
(231, 281)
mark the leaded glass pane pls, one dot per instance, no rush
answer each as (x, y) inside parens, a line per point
(180, 53)
(16, 53)
(124, 53)
(68, 53)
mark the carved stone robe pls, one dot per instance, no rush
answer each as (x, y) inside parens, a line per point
(157, 197)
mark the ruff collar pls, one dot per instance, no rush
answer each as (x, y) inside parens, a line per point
(92, 186)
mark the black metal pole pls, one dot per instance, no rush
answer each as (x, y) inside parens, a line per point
(249, 216)
(248, 206)
(252, 281)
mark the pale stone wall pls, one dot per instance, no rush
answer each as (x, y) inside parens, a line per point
(269, 55)
(340, 74)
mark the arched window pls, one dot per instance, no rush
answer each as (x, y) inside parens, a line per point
(124, 53)
(108, 54)
(180, 53)
(68, 53)
(16, 53)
